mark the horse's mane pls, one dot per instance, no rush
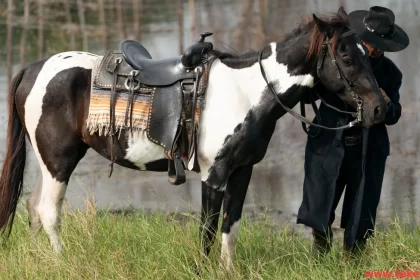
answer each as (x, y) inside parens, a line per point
(318, 38)
(307, 24)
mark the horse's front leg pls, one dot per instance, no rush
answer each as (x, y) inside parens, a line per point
(210, 211)
(232, 210)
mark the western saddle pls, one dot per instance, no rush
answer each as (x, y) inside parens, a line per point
(179, 85)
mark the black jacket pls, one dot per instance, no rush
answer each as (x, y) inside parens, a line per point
(325, 153)
(389, 78)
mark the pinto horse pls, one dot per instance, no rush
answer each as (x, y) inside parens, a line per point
(49, 100)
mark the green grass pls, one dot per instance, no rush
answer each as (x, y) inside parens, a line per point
(101, 245)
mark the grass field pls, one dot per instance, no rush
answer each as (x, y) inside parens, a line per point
(100, 245)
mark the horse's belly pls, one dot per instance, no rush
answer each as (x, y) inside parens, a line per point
(141, 150)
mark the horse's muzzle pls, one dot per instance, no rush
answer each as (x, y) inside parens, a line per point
(374, 113)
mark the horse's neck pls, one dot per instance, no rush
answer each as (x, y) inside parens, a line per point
(283, 71)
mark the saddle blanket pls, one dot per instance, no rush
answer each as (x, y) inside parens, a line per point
(99, 112)
(99, 108)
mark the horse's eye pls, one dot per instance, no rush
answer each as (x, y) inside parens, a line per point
(347, 61)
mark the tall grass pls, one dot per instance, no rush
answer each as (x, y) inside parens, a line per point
(101, 245)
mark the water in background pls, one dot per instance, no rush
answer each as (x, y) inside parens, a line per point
(276, 186)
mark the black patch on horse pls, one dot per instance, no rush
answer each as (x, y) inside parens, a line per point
(242, 61)
(56, 124)
(249, 142)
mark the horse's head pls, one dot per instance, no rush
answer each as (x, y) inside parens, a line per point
(343, 66)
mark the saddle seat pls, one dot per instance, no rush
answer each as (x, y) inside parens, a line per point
(163, 72)
(154, 72)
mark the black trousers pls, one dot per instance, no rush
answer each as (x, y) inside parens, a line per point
(323, 189)
(349, 181)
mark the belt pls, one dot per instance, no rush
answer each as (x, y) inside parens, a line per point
(352, 140)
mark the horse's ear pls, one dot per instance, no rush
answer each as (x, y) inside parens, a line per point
(342, 13)
(324, 27)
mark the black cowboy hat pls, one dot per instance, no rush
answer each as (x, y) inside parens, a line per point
(377, 28)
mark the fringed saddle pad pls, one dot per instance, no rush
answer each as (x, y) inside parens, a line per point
(99, 112)
(100, 99)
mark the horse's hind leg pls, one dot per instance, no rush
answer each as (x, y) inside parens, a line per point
(53, 111)
(49, 207)
(34, 220)
(57, 164)
(54, 185)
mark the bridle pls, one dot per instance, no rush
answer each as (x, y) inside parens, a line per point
(325, 46)
(340, 74)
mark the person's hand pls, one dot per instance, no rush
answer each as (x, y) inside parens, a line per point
(385, 96)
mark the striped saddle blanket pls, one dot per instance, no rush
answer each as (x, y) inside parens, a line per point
(100, 99)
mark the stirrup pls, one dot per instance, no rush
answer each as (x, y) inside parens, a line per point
(176, 170)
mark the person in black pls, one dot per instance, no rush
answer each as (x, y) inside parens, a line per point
(353, 159)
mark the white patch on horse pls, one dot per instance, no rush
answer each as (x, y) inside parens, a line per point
(52, 190)
(228, 246)
(231, 94)
(361, 48)
(141, 150)
(49, 207)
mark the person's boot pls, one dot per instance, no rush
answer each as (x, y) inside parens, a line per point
(352, 251)
(322, 242)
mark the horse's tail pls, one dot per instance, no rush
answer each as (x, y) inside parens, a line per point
(11, 180)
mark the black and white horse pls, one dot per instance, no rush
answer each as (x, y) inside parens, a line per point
(49, 101)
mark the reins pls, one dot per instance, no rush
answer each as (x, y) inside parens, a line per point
(325, 46)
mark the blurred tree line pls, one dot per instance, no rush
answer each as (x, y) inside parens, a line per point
(35, 29)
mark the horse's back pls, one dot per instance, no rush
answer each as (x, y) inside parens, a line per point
(40, 74)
